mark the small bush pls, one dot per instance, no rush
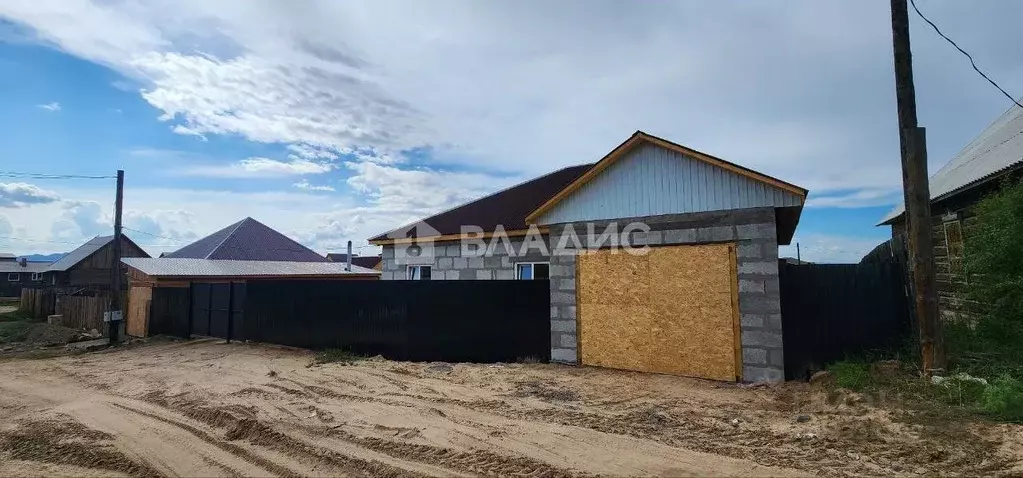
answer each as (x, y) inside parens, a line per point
(851, 375)
(1003, 399)
(337, 355)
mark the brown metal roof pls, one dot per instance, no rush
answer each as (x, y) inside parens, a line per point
(507, 208)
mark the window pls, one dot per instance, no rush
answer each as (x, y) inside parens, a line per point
(37, 276)
(13, 277)
(418, 273)
(533, 271)
(954, 246)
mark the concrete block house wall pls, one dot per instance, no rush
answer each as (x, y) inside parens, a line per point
(448, 263)
(754, 233)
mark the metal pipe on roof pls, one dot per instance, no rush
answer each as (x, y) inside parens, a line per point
(348, 266)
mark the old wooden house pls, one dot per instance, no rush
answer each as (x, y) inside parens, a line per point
(88, 268)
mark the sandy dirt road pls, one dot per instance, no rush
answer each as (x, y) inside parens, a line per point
(204, 408)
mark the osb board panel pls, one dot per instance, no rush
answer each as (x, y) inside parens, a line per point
(669, 311)
(138, 311)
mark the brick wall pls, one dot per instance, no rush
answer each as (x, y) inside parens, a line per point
(448, 263)
(754, 233)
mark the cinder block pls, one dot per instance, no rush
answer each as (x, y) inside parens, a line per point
(680, 236)
(475, 263)
(760, 267)
(492, 262)
(568, 312)
(772, 285)
(484, 274)
(754, 303)
(770, 250)
(752, 251)
(776, 357)
(762, 375)
(751, 320)
(566, 284)
(641, 238)
(453, 274)
(453, 250)
(563, 298)
(554, 312)
(460, 262)
(774, 321)
(754, 356)
(568, 340)
(722, 233)
(444, 263)
(387, 253)
(563, 326)
(561, 355)
(504, 274)
(755, 231)
(761, 338)
(747, 285)
(506, 262)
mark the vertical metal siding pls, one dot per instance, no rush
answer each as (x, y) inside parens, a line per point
(653, 181)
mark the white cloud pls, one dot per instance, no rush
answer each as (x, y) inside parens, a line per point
(24, 194)
(6, 229)
(82, 220)
(260, 168)
(853, 199)
(306, 185)
(52, 106)
(826, 248)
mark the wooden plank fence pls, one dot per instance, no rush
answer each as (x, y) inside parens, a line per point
(82, 312)
(38, 302)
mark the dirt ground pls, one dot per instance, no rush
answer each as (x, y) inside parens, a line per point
(205, 408)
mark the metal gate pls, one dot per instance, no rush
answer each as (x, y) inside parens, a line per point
(217, 309)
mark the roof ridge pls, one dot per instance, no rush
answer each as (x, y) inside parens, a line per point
(237, 225)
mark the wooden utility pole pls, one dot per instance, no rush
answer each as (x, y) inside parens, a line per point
(913, 146)
(116, 309)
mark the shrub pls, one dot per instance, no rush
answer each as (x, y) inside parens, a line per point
(851, 375)
(1003, 399)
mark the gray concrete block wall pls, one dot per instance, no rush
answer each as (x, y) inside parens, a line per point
(447, 262)
(754, 233)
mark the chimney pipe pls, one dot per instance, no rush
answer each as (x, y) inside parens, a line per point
(24, 262)
(348, 266)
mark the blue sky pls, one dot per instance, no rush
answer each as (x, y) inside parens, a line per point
(338, 121)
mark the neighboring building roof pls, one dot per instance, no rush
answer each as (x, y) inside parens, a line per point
(639, 138)
(998, 149)
(368, 262)
(247, 240)
(6, 267)
(7, 256)
(83, 251)
(508, 207)
(187, 268)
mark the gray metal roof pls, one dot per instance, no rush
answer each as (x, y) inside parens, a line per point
(997, 149)
(183, 267)
(7, 256)
(30, 267)
(80, 253)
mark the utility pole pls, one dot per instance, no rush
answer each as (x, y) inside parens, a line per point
(913, 146)
(116, 309)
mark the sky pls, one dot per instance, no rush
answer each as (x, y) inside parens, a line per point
(335, 121)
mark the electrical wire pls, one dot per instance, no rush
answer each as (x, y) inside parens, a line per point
(972, 63)
(21, 175)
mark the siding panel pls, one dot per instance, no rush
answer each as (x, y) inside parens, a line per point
(654, 181)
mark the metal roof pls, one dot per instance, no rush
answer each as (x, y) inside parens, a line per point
(248, 240)
(184, 267)
(997, 149)
(7, 256)
(79, 254)
(30, 267)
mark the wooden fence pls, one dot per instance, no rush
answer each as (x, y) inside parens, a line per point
(38, 302)
(82, 312)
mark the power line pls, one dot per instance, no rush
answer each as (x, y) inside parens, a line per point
(973, 63)
(22, 175)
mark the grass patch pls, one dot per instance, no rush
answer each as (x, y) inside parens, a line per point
(15, 331)
(338, 356)
(852, 375)
(14, 316)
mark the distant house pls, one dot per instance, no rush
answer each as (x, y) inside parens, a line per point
(89, 265)
(247, 240)
(7, 257)
(16, 275)
(369, 262)
(980, 168)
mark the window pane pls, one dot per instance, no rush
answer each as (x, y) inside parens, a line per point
(541, 271)
(525, 271)
(424, 272)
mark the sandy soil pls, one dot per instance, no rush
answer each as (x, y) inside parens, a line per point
(204, 408)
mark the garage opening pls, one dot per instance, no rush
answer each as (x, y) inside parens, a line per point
(673, 310)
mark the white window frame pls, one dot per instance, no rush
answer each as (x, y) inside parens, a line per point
(410, 274)
(37, 276)
(16, 277)
(532, 265)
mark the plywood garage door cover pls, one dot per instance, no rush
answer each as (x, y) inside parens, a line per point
(672, 310)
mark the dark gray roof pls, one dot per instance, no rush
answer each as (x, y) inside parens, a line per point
(79, 254)
(168, 267)
(247, 240)
(7, 256)
(368, 262)
(30, 267)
